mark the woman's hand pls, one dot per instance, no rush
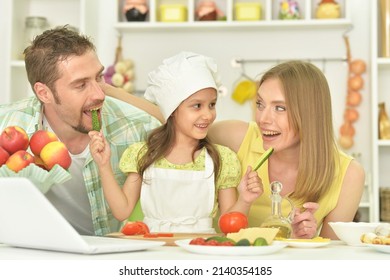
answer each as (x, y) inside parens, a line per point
(99, 148)
(304, 225)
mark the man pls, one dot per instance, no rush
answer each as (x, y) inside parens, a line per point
(67, 79)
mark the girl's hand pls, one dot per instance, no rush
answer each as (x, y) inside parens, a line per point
(250, 187)
(304, 225)
(99, 148)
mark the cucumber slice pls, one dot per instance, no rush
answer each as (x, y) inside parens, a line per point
(260, 241)
(243, 242)
(95, 120)
(263, 158)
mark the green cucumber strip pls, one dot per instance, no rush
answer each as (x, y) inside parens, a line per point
(263, 158)
(95, 120)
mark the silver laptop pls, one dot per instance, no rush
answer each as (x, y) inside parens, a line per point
(29, 220)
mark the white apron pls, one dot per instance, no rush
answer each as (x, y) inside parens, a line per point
(179, 200)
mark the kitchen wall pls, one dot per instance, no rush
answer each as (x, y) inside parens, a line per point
(147, 48)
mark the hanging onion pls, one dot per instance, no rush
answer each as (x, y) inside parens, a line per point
(358, 66)
(355, 82)
(346, 142)
(354, 98)
(351, 115)
(347, 129)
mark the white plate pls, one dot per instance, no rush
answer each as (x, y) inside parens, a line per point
(380, 248)
(231, 250)
(303, 244)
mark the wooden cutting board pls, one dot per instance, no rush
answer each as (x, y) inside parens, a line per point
(170, 241)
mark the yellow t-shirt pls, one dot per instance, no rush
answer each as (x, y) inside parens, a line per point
(250, 151)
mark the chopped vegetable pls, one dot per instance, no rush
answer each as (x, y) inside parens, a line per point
(263, 158)
(260, 241)
(156, 235)
(135, 228)
(95, 120)
(243, 242)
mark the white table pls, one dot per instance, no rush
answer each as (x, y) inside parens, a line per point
(336, 261)
(334, 251)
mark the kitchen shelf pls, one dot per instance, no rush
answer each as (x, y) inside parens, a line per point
(77, 13)
(17, 63)
(269, 16)
(384, 61)
(380, 88)
(365, 205)
(276, 24)
(384, 143)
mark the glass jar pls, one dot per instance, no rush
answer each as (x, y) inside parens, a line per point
(34, 26)
(289, 9)
(276, 220)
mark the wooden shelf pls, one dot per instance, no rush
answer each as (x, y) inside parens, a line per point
(130, 26)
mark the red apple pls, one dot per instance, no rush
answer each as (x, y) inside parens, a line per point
(19, 160)
(39, 162)
(39, 140)
(13, 139)
(4, 155)
(56, 153)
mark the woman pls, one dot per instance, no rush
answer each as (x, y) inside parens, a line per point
(294, 116)
(180, 177)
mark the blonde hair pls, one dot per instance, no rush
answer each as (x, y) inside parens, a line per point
(308, 100)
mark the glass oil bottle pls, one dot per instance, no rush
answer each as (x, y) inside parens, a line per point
(276, 220)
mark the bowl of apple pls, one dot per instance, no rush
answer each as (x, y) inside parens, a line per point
(42, 158)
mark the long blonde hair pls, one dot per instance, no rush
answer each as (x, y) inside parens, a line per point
(308, 100)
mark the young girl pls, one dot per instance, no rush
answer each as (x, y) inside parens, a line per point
(181, 179)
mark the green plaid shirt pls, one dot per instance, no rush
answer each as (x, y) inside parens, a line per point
(122, 124)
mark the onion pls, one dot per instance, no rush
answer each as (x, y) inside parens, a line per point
(354, 98)
(355, 82)
(357, 67)
(117, 80)
(351, 115)
(347, 129)
(120, 67)
(346, 142)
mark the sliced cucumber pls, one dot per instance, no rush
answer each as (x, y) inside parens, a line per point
(263, 158)
(260, 241)
(243, 242)
(95, 120)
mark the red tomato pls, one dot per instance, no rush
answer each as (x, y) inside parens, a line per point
(198, 241)
(232, 222)
(226, 243)
(135, 228)
(212, 243)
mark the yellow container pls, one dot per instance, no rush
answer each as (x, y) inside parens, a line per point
(173, 13)
(247, 11)
(244, 90)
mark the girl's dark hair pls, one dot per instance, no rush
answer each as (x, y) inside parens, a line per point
(159, 144)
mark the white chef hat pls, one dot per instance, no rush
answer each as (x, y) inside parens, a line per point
(179, 77)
